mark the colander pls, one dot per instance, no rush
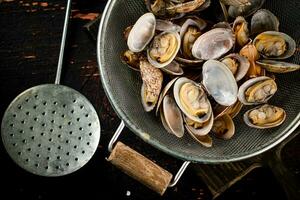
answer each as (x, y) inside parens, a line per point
(122, 87)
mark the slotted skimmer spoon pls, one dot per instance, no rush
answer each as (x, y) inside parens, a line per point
(51, 129)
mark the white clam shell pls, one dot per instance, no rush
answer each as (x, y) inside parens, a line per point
(142, 33)
(219, 82)
(210, 45)
(172, 116)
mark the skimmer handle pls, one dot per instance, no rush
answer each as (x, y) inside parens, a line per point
(63, 42)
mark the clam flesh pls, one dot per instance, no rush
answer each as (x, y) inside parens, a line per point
(192, 100)
(275, 45)
(265, 116)
(240, 28)
(237, 64)
(164, 49)
(257, 90)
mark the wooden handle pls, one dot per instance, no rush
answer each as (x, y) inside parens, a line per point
(140, 168)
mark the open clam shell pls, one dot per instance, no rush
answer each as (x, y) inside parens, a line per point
(277, 66)
(213, 44)
(240, 28)
(159, 55)
(238, 65)
(272, 116)
(195, 96)
(264, 20)
(225, 25)
(188, 62)
(164, 93)
(189, 33)
(173, 69)
(152, 84)
(166, 25)
(172, 116)
(284, 45)
(141, 33)
(247, 10)
(224, 127)
(261, 93)
(204, 140)
(219, 82)
(201, 131)
(195, 21)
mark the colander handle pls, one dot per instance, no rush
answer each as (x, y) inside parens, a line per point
(141, 168)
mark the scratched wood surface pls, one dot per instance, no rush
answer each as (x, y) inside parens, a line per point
(29, 46)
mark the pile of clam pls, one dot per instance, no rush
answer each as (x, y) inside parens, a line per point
(197, 75)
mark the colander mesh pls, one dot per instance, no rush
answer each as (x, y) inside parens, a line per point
(122, 85)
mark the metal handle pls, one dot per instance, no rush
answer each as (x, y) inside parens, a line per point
(63, 42)
(115, 138)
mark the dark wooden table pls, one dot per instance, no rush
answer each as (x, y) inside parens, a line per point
(30, 37)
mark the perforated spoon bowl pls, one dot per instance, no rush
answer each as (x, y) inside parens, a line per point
(51, 129)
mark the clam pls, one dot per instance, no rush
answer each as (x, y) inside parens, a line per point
(158, 7)
(126, 32)
(277, 66)
(247, 10)
(166, 25)
(232, 110)
(265, 116)
(141, 33)
(173, 69)
(131, 59)
(235, 109)
(240, 28)
(223, 127)
(188, 62)
(205, 140)
(152, 84)
(192, 100)
(275, 45)
(237, 64)
(171, 117)
(219, 82)
(250, 52)
(189, 33)
(164, 92)
(257, 90)
(225, 25)
(264, 20)
(198, 129)
(185, 6)
(236, 2)
(163, 49)
(213, 44)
